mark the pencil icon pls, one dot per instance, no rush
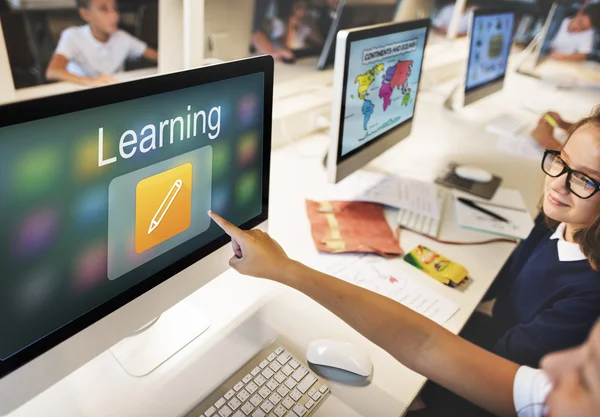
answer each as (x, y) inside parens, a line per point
(165, 205)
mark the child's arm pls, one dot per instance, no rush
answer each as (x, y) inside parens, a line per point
(417, 342)
(151, 54)
(577, 57)
(57, 71)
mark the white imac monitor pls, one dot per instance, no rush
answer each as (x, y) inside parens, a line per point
(541, 46)
(104, 222)
(491, 33)
(376, 84)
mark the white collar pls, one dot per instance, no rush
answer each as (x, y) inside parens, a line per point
(567, 251)
(97, 44)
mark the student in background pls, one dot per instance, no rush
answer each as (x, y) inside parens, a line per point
(269, 28)
(575, 38)
(302, 30)
(568, 385)
(441, 22)
(92, 53)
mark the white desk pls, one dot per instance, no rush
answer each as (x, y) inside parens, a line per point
(247, 313)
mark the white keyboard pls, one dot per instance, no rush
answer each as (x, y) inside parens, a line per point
(421, 223)
(272, 384)
(509, 125)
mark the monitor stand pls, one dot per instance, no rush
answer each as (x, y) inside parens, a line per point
(456, 98)
(160, 339)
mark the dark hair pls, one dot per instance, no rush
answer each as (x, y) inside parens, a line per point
(593, 12)
(83, 4)
(589, 237)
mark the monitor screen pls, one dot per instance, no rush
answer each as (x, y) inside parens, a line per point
(98, 201)
(380, 87)
(491, 39)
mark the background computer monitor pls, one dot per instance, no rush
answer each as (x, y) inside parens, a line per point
(549, 31)
(86, 234)
(491, 33)
(352, 14)
(376, 83)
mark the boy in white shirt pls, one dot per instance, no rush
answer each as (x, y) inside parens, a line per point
(575, 38)
(92, 53)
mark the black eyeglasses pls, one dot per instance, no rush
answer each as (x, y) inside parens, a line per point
(580, 184)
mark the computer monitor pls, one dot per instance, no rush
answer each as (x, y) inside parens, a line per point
(491, 33)
(544, 47)
(227, 29)
(351, 14)
(376, 84)
(104, 212)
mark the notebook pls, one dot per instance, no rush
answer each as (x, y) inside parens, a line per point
(507, 202)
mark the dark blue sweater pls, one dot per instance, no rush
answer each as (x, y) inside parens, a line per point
(543, 305)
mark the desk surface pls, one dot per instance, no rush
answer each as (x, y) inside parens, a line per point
(247, 313)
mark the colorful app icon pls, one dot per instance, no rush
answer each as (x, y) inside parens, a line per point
(163, 206)
(36, 172)
(86, 158)
(37, 232)
(247, 149)
(90, 267)
(91, 207)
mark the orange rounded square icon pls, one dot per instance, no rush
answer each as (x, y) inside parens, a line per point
(163, 206)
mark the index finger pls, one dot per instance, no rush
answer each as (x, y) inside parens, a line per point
(227, 227)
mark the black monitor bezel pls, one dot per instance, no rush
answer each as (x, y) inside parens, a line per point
(487, 12)
(375, 32)
(27, 111)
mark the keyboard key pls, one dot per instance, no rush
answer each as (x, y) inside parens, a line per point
(260, 380)
(264, 392)
(267, 373)
(306, 383)
(280, 377)
(272, 384)
(258, 413)
(287, 370)
(238, 414)
(247, 379)
(278, 350)
(291, 414)
(272, 357)
(294, 364)
(323, 389)
(252, 388)
(309, 404)
(229, 394)
(275, 398)
(317, 396)
(290, 383)
(263, 364)
(225, 411)
(247, 408)
(300, 373)
(257, 399)
(283, 358)
(238, 386)
(295, 395)
(220, 403)
(234, 404)
(243, 395)
(288, 403)
(280, 411)
(267, 406)
(300, 410)
(283, 391)
(275, 366)
(255, 371)
(312, 392)
(211, 411)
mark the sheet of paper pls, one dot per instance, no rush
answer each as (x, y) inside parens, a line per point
(507, 202)
(376, 274)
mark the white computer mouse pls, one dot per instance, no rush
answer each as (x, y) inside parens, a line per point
(340, 355)
(474, 174)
